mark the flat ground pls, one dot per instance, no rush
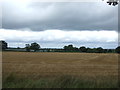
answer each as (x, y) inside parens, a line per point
(50, 64)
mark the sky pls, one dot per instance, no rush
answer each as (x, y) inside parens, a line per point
(56, 24)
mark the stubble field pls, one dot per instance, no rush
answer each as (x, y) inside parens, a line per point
(35, 65)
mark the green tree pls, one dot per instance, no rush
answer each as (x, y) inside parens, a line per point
(70, 48)
(89, 50)
(75, 49)
(65, 48)
(117, 49)
(3, 45)
(99, 50)
(83, 49)
(27, 47)
(34, 46)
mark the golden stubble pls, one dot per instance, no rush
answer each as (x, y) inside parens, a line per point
(50, 64)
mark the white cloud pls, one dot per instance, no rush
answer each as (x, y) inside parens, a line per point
(58, 36)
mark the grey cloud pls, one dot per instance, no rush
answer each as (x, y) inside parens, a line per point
(63, 16)
(119, 18)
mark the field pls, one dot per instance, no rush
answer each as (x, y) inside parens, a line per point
(91, 67)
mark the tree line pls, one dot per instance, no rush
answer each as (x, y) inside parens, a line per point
(69, 48)
(34, 46)
(84, 49)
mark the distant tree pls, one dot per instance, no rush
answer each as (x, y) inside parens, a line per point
(99, 50)
(117, 49)
(18, 47)
(75, 49)
(89, 50)
(34, 46)
(109, 50)
(27, 47)
(70, 48)
(83, 49)
(105, 50)
(65, 48)
(3, 45)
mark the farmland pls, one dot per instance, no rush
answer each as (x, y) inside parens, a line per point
(35, 65)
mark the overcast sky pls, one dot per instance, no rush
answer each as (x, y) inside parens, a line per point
(55, 24)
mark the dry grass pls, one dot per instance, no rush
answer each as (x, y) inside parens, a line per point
(59, 70)
(29, 64)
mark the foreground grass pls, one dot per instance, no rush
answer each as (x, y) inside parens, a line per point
(12, 81)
